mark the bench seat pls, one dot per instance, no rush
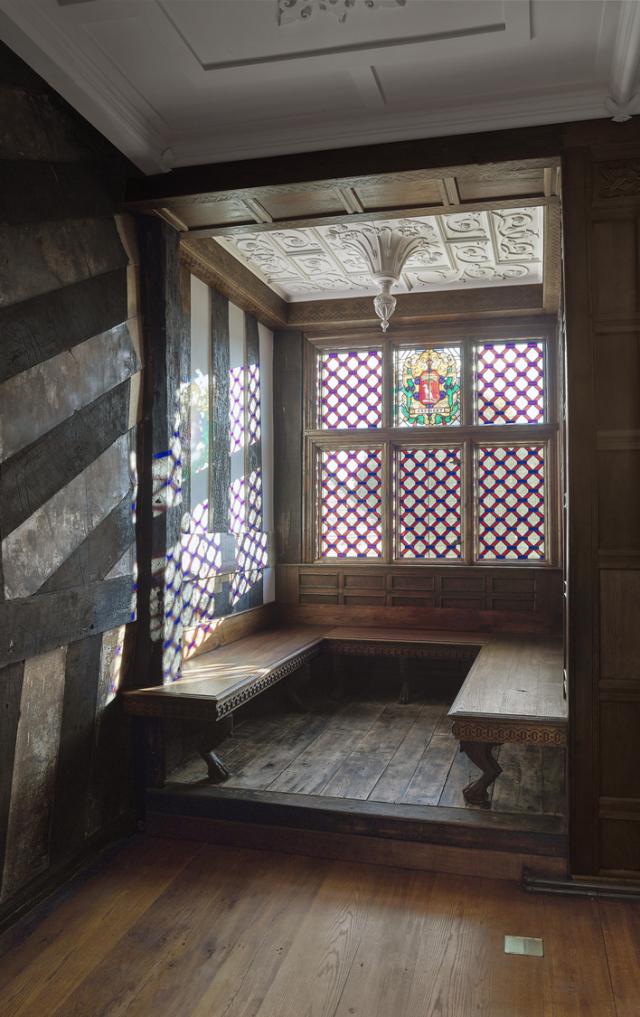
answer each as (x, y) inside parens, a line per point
(216, 683)
(513, 691)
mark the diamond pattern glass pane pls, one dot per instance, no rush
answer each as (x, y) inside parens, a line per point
(427, 387)
(236, 409)
(254, 500)
(429, 503)
(350, 389)
(510, 383)
(351, 503)
(253, 402)
(511, 503)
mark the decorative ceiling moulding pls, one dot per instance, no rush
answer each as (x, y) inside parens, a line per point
(623, 101)
(290, 11)
(386, 251)
(456, 251)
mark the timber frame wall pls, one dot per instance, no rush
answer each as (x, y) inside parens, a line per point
(601, 205)
(70, 375)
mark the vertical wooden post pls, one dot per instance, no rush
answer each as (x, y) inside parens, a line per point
(164, 432)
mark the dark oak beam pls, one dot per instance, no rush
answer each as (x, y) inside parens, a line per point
(445, 305)
(371, 215)
(523, 148)
(219, 269)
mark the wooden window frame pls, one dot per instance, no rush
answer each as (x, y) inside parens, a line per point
(468, 434)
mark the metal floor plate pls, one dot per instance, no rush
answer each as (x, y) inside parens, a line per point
(525, 946)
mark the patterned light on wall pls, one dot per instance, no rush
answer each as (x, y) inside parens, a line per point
(385, 251)
(298, 10)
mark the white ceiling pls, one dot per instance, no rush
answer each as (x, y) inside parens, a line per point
(178, 82)
(496, 248)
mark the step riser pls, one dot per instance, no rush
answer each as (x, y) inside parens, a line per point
(507, 865)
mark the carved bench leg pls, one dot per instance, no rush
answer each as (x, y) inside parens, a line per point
(216, 769)
(480, 753)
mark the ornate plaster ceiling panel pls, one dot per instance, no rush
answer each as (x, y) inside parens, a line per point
(466, 249)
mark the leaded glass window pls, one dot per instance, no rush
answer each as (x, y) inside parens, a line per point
(427, 387)
(429, 502)
(349, 389)
(460, 467)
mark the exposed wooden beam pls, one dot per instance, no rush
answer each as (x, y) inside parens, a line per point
(551, 274)
(257, 210)
(369, 216)
(215, 266)
(524, 147)
(349, 199)
(444, 305)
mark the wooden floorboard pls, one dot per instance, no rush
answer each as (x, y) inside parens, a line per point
(381, 751)
(184, 930)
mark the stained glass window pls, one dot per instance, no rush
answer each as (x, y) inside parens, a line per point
(511, 502)
(236, 409)
(510, 383)
(254, 500)
(350, 389)
(429, 503)
(427, 387)
(253, 402)
(351, 503)
(237, 505)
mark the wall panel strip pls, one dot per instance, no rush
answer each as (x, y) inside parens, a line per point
(36, 330)
(35, 474)
(30, 811)
(32, 625)
(62, 386)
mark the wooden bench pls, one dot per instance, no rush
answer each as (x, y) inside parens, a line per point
(512, 693)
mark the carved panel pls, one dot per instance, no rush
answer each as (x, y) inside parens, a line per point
(616, 179)
(497, 732)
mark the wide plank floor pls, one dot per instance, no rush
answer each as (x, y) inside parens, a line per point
(179, 929)
(375, 749)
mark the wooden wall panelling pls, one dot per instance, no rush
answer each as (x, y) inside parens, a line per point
(288, 352)
(581, 498)
(602, 213)
(436, 597)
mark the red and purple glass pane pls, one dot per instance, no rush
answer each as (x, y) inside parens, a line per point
(236, 409)
(510, 383)
(429, 503)
(511, 503)
(237, 512)
(254, 500)
(350, 389)
(351, 503)
(253, 402)
(427, 387)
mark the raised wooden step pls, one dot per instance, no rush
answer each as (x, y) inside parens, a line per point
(461, 841)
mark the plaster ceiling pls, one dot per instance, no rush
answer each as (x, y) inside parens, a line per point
(180, 82)
(469, 249)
